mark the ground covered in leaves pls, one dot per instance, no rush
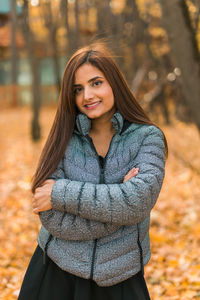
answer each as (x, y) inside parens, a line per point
(174, 269)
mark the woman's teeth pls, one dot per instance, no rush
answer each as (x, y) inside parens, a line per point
(92, 105)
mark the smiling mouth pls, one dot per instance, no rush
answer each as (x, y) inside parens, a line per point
(93, 105)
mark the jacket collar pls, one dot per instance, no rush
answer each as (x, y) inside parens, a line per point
(83, 123)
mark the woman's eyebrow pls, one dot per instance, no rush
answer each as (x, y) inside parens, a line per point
(92, 79)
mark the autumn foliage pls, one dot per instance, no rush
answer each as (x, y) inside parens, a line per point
(174, 269)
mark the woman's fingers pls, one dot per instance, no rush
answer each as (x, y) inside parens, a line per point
(132, 173)
(38, 206)
(35, 203)
(41, 200)
(36, 211)
(48, 181)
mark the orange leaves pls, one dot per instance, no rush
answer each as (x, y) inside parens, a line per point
(175, 230)
(19, 226)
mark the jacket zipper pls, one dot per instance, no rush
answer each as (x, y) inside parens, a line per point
(140, 250)
(101, 180)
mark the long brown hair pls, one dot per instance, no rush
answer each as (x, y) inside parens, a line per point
(64, 122)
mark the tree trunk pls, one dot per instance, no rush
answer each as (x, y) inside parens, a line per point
(13, 53)
(104, 19)
(76, 35)
(52, 28)
(36, 102)
(35, 126)
(136, 34)
(184, 47)
(64, 10)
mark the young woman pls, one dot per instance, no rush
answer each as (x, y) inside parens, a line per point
(99, 176)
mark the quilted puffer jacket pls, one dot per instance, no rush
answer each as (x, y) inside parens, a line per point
(98, 226)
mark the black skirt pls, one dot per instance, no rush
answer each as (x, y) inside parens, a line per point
(49, 282)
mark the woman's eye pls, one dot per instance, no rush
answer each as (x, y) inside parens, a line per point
(98, 82)
(77, 90)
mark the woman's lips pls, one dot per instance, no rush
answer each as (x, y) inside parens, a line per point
(92, 106)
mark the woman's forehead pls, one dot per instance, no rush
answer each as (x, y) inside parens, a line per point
(87, 72)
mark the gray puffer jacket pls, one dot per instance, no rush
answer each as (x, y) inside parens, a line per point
(98, 226)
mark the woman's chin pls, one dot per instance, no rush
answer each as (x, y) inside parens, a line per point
(93, 114)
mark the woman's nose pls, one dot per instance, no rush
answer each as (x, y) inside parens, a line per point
(88, 94)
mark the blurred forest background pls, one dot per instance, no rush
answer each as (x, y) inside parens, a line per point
(157, 46)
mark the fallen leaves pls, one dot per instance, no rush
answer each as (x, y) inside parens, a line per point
(174, 269)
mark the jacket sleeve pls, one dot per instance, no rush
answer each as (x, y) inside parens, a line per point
(71, 227)
(66, 226)
(123, 204)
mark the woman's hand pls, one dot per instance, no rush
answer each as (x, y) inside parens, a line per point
(42, 196)
(132, 173)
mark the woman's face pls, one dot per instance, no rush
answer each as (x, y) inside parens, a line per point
(93, 94)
